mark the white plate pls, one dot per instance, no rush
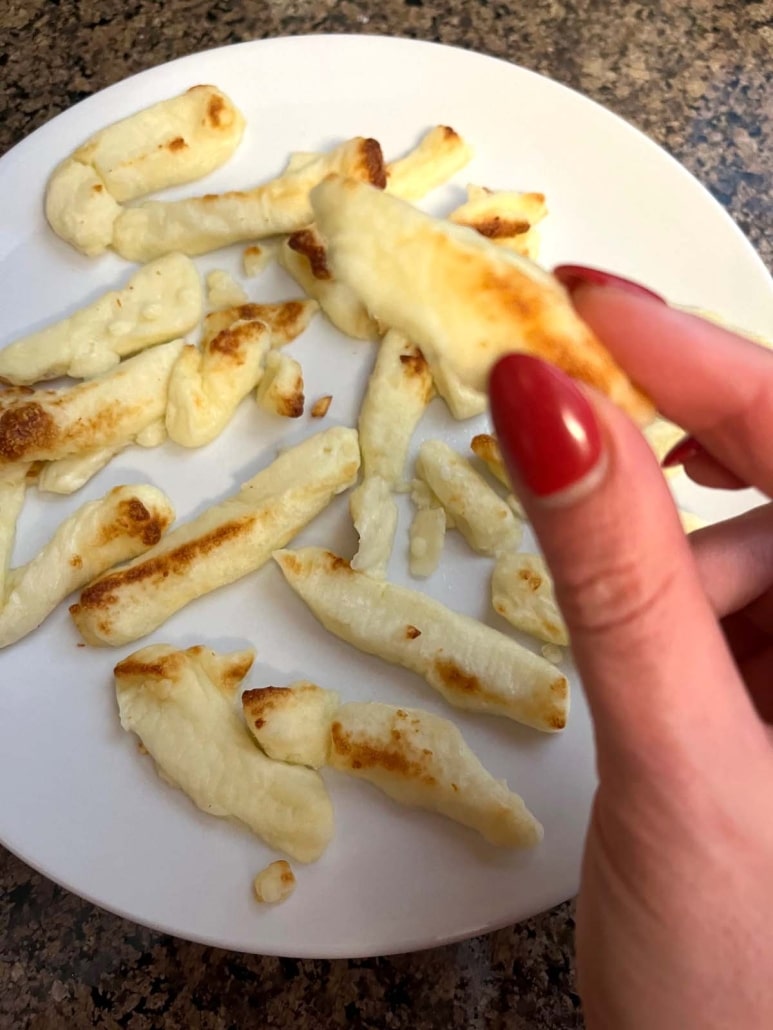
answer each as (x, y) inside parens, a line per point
(77, 800)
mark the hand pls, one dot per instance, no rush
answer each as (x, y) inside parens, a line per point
(672, 639)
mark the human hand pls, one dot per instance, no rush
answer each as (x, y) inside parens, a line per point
(673, 639)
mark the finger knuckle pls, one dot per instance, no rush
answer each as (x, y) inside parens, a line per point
(620, 593)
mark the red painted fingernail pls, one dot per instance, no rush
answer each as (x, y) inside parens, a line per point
(548, 431)
(681, 452)
(572, 277)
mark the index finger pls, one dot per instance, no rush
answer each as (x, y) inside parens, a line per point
(713, 383)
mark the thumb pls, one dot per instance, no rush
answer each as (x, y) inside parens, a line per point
(652, 658)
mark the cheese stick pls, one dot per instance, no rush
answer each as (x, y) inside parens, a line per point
(124, 523)
(103, 412)
(222, 544)
(160, 302)
(399, 390)
(471, 665)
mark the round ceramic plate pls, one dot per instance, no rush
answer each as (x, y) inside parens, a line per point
(77, 799)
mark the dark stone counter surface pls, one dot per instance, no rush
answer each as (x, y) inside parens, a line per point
(693, 74)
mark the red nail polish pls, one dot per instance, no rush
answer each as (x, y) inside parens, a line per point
(546, 426)
(572, 277)
(681, 452)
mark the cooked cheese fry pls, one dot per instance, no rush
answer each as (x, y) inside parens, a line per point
(427, 536)
(662, 435)
(422, 760)
(172, 142)
(522, 593)
(223, 291)
(286, 319)
(104, 412)
(12, 490)
(124, 523)
(222, 544)
(485, 521)
(69, 474)
(292, 724)
(182, 706)
(338, 302)
(486, 447)
(274, 884)
(506, 218)
(200, 224)
(440, 154)
(690, 521)
(207, 385)
(399, 390)
(461, 400)
(80, 209)
(160, 302)
(472, 665)
(280, 390)
(464, 301)
(374, 514)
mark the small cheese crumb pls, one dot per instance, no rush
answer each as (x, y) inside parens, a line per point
(553, 653)
(320, 407)
(275, 883)
(256, 258)
(223, 291)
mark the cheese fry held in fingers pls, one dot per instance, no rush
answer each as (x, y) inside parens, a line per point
(471, 665)
(222, 544)
(124, 523)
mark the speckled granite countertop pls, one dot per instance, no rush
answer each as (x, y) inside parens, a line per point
(694, 75)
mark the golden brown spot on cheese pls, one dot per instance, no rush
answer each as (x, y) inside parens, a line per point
(373, 163)
(178, 143)
(25, 429)
(261, 700)
(335, 563)
(308, 243)
(411, 632)
(133, 519)
(292, 405)
(449, 133)
(253, 251)
(76, 561)
(233, 342)
(286, 876)
(360, 754)
(98, 187)
(533, 579)
(455, 787)
(101, 595)
(215, 110)
(292, 564)
(167, 666)
(414, 363)
(497, 228)
(456, 679)
(321, 406)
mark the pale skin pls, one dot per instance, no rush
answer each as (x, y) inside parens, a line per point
(673, 639)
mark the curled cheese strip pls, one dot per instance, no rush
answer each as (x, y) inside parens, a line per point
(124, 523)
(172, 142)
